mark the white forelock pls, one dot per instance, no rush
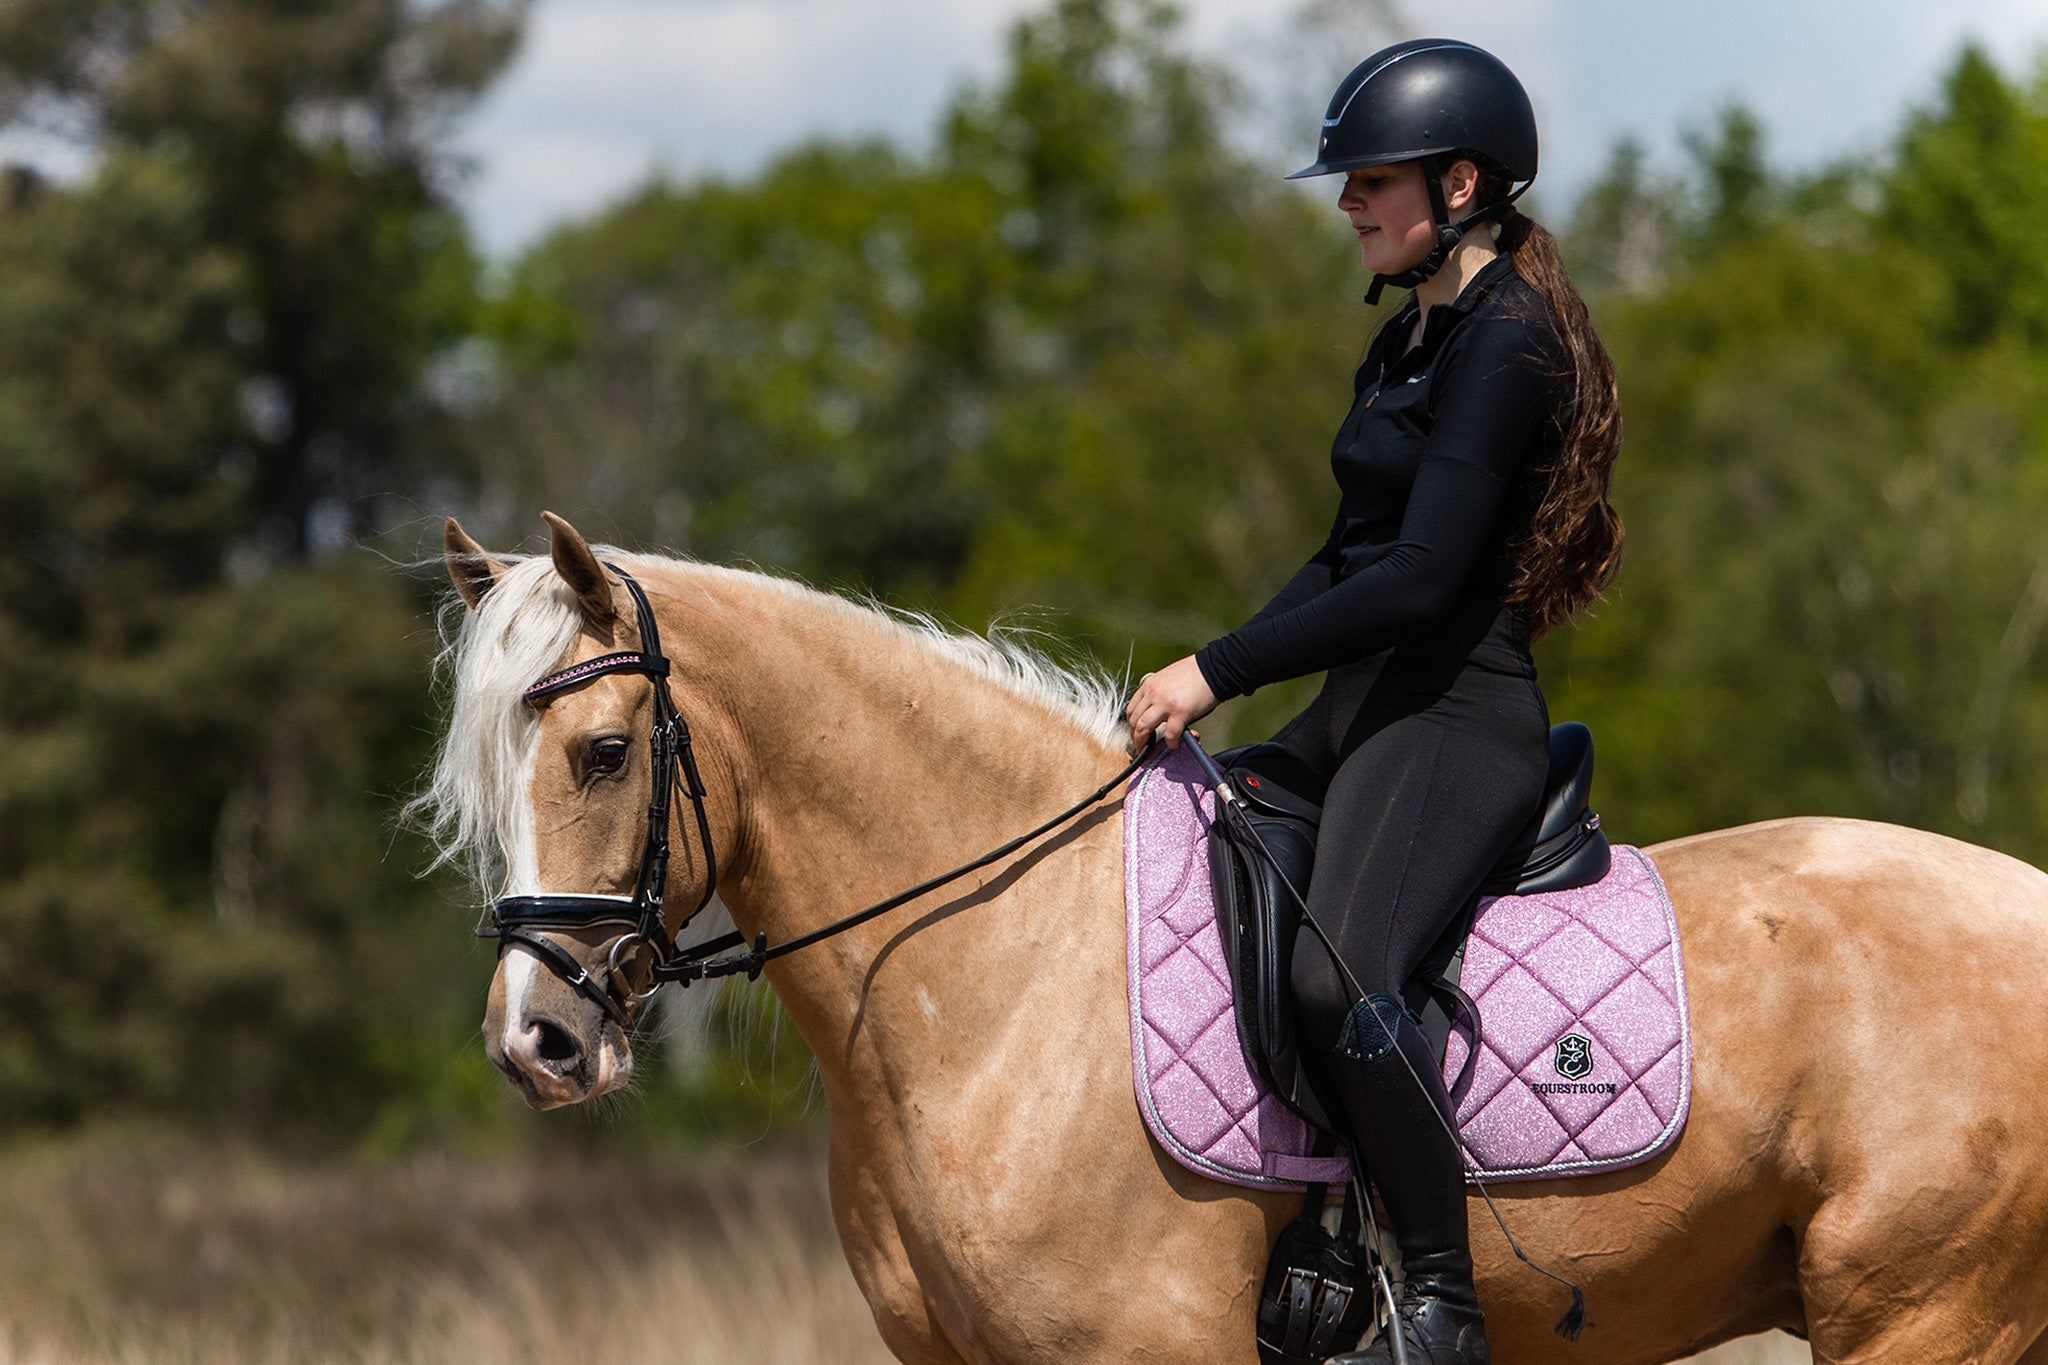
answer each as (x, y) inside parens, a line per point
(475, 806)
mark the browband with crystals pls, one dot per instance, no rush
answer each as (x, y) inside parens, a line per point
(626, 661)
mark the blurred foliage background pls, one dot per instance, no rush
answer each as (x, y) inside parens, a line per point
(1083, 356)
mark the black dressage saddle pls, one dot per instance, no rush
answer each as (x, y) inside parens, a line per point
(1258, 917)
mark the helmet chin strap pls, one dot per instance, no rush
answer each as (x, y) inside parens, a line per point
(1448, 234)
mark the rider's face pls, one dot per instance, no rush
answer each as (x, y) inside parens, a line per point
(1389, 210)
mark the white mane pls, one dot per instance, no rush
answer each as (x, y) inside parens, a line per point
(475, 805)
(1082, 694)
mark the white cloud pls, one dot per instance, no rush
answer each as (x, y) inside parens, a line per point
(606, 90)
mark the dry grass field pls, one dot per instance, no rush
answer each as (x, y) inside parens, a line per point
(121, 1256)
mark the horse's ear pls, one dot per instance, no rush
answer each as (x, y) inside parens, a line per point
(581, 571)
(469, 564)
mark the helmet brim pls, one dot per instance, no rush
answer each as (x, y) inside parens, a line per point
(1337, 165)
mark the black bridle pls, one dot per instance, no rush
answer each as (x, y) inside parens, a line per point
(524, 919)
(673, 765)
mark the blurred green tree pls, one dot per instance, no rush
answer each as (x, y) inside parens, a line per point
(1835, 475)
(216, 352)
(309, 143)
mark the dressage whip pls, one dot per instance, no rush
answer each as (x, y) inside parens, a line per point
(1230, 807)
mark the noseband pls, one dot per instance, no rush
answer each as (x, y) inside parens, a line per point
(523, 919)
(673, 764)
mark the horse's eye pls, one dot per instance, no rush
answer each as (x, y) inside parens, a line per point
(607, 756)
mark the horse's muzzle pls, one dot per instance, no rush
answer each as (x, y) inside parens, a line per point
(552, 1066)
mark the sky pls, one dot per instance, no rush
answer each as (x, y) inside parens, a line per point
(606, 92)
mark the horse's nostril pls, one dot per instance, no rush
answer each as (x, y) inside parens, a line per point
(555, 1044)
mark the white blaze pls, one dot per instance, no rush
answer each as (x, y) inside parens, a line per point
(522, 878)
(518, 969)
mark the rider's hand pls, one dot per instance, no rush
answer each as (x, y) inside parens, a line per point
(1168, 701)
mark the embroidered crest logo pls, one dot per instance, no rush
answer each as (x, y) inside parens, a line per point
(1574, 1060)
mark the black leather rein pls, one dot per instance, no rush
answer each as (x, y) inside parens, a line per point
(523, 919)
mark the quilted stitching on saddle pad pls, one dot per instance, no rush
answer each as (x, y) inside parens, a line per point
(1195, 1088)
(1586, 1060)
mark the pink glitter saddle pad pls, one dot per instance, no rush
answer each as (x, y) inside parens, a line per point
(1585, 1062)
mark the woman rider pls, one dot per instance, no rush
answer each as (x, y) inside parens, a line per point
(1472, 514)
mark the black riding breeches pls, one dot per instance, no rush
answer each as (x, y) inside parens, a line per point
(1436, 752)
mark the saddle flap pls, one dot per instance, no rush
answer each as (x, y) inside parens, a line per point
(1258, 917)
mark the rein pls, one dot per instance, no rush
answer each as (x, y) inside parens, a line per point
(701, 962)
(522, 919)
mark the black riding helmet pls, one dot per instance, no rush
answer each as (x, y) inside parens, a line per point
(1423, 101)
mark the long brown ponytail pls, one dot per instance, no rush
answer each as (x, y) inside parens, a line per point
(1573, 545)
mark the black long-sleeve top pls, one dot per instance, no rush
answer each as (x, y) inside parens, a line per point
(1439, 465)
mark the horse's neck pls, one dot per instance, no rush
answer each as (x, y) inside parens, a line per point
(868, 762)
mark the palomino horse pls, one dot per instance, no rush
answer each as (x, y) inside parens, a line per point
(1864, 1164)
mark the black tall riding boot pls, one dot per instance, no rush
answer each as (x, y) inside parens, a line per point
(1399, 1131)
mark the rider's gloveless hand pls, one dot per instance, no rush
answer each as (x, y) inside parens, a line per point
(1169, 701)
